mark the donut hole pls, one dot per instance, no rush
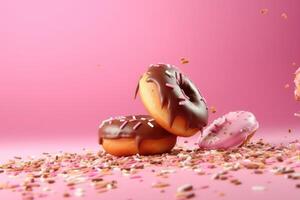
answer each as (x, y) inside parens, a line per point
(188, 91)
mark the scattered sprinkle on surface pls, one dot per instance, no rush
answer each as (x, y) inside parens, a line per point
(78, 173)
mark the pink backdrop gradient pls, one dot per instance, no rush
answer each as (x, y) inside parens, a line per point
(67, 65)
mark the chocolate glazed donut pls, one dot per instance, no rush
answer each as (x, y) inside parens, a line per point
(139, 128)
(178, 94)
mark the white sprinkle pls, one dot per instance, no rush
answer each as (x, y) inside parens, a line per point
(122, 120)
(123, 125)
(137, 125)
(185, 188)
(79, 192)
(182, 103)
(133, 117)
(151, 120)
(151, 125)
(258, 188)
(168, 73)
(170, 85)
(297, 114)
(143, 118)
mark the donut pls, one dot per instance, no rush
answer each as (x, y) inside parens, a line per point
(172, 100)
(297, 84)
(130, 135)
(229, 131)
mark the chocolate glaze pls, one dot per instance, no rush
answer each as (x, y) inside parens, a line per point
(139, 127)
(179, 94)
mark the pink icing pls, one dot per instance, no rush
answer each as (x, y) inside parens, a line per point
(229, 131)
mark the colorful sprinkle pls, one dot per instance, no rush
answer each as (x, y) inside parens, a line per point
(124, 124)
(137, 125)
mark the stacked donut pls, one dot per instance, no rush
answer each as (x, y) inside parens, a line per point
(176, 108)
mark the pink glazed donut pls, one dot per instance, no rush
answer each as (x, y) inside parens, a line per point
(229, 131)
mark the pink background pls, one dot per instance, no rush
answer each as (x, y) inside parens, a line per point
(67, 65)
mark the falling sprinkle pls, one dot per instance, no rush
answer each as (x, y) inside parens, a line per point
(286, 86)
(264, 11)
(184, 61)
(213, 109)
(284, 15)
(297, 114)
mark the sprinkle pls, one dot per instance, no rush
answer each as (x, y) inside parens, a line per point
(185, 195)
(258, 188)
(236, 182)
(137, 125)
(264, 11)
(185, 188)
(168, 73)
(184, 61)
(182, 102)
(151, 120)
(66, 195)
(151, 125)
(286, 86)
(160, 185)
(133, 117)
(213, 109)
(143, 118)
(124, 124)
(284, 15)
(170, 85)
(297, 114)
(79, 192)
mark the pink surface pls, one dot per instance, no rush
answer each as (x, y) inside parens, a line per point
(67, 65)
(276, 186)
